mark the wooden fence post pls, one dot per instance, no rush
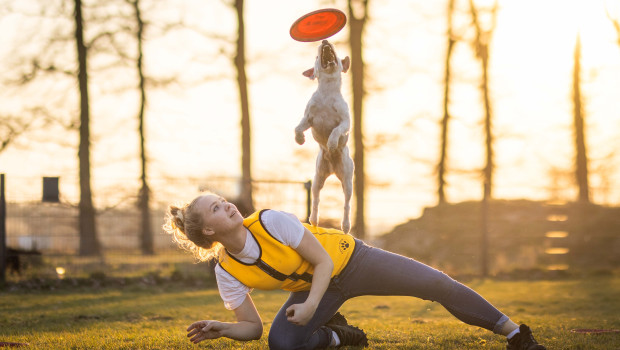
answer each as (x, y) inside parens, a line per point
(308, 186)
(2, 233)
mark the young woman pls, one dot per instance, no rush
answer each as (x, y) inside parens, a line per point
(322, 268)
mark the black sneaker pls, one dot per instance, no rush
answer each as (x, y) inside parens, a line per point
(337, 320)
(349, 335)
(524, 340)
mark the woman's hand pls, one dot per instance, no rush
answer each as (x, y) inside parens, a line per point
(313, 252)
(248, 326)
(202, 330)
(300, 314)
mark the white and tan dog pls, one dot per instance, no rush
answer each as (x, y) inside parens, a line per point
(327, 114)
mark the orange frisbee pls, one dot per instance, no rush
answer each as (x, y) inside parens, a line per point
(318, 25)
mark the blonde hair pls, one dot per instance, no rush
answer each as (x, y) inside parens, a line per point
(185, 223)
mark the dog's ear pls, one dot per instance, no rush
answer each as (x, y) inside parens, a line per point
(309, 73)
(346, 63)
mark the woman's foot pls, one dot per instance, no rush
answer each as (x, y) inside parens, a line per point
(524, 340)
(338, 319)
(345, 333)
(349, 335)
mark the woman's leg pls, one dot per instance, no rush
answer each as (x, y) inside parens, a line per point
(314, 335)
(374, 271)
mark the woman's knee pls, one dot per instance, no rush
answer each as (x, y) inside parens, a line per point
(283, 341)
(442, 286)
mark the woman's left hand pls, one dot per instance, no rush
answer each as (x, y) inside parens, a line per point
(202, 330)
(300, 314)
(313, 252)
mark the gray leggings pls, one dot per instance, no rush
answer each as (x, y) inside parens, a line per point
(373, 271)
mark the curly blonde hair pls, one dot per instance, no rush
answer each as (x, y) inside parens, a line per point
(185, 223)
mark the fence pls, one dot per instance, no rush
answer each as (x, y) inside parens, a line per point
(50, 227)
(40, 220)
(47, 225)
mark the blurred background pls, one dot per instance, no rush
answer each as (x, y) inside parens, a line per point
(485, 133)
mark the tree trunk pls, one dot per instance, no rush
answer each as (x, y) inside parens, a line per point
(441, 167)
(146, 234)
(488, 130)
(89, 245)
(581, 168)
(481, 44)
(245, 200)
(357, 19)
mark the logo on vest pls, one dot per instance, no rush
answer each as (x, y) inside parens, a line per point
(343, 245)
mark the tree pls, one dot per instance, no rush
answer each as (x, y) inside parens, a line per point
(481, 45)
(89, 245)
(46, 73)
(146, 234)
(245, 201)
(581, 157)
(136, 57)
(441, 166)
(358, 15)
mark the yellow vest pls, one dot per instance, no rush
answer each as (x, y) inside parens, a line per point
(280, 266)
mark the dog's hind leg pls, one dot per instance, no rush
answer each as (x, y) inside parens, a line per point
(338, 136)
(345, 175)
(321, 174)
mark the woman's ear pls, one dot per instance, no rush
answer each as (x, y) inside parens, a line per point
(208, 231)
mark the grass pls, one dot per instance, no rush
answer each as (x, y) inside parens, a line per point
(152, 316)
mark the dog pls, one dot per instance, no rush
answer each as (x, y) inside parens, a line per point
(327, 113)
(13, 262)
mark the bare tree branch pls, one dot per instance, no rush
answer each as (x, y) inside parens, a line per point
(13, 127)
(616, 24)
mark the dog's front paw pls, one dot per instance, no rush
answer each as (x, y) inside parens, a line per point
(332, 144)
(300, 138)
(314, 219)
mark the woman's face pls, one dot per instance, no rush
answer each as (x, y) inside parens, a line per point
(219, 215)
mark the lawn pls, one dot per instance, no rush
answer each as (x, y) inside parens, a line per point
(155, 316)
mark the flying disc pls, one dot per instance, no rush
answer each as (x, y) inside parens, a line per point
(318, 25)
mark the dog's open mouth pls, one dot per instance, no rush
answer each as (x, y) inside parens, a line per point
(328, 56)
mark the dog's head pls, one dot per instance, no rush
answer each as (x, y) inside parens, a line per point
(327, 62)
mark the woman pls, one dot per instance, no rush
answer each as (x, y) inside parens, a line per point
(321, 267)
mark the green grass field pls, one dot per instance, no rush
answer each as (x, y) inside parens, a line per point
(142, 316)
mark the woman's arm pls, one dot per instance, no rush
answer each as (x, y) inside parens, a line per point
(248, 326)
(312, 251)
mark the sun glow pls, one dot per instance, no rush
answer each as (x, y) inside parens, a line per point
(555, 24)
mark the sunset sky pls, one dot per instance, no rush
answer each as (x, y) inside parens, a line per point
(193, 131)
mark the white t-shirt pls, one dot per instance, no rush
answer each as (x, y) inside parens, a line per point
(283, 226)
